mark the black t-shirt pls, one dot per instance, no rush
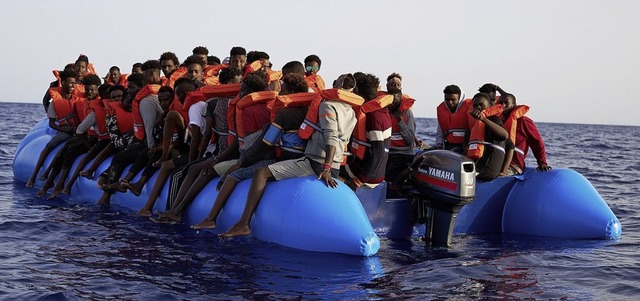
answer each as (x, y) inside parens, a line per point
(490, 165)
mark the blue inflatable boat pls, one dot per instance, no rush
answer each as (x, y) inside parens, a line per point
(302, 213)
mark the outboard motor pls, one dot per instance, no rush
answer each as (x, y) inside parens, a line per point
(443, 182)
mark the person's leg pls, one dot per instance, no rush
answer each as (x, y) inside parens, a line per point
(59, 137)
(103, 155)
(93, 152)
(119, 163)
(224, 193)
(165, 171)
(149, 170)
(192, 191)
(55, 167)
(173, 122)
(191, 175)
(73, 151)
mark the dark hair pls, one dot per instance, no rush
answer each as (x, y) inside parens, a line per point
(227, 74)
(452, 89)
(114, 68)
(510, 95)
(150, 64)
(200, 50)
(293, 67)
(295, 83)
(213, 60)
(66, 74)
(256, 81)
(184, 80)
(83, 58)
(166, 89)
(192, 59)
(170, 56)
(487, 88)
(313, 58)
(393, 75)
(237, 50)
(103, 91)
(117, 87)
(136, 65)
(261, 55)
(251, 57)
(138, 79)
(91, 79)
(484, 95)
(367, 85)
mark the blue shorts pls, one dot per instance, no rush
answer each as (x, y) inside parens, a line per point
(248, 172)
(58, 138)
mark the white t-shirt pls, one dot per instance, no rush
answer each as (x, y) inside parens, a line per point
(197, 115)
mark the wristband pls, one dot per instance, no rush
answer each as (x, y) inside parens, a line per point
(326, 166)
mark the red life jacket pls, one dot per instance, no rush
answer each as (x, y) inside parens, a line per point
(225, 90)
(310, 123)
(397, 141)
(138, 124)
(253, 67)
(65, 108)
(98, 108)
(178, 73)
(191, 99)
(236, 106)
(125, 119)
(303, 99)
(454, 125)
(122, 81)
(477, 139)
(359, 142)
(83, 109)
(511, 122)
(315, 82)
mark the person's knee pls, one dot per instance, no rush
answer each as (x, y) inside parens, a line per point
(262, 173)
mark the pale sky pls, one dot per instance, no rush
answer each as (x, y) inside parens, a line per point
(570, 61)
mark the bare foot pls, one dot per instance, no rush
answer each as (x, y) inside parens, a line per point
(237, 230)
(43, 176)
(66, 191)
(87, 174)
(105, 199)
(205, 224)
(115, 187)
(42, 192)
(159, 162)
(144, 212)
(30, 182)
(53, 195)
(132, 187)
(168, 215)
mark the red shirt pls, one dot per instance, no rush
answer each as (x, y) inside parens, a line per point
(255, 116)
(527, 136)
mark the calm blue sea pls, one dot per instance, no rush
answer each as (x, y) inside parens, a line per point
(52, 250)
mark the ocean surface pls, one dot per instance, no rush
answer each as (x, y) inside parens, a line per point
(54, 250)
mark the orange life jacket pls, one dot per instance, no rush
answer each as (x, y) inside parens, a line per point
(226, 90)
(477, 138)
(191, 99)
(511, 122)
(65, 108)
(253, 67)
(213, 70)
(397, 141)
(122, 81)
(454, 125)
(125, 119)
(315, 82)
(310, 123)
(359, 142)
(138, 124)
(237, 105)
(178, 73)
(303, 99)
(98, 108)
(82, 111)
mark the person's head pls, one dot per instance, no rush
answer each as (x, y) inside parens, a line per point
(136, 68)
(68, 81)
(481, 101)
(293, 67)
(195, 67)
(367, 85)
(135, 82)
(116, 93)
(103, 91)
(71, 67)
(293, 83)
(114, 74)
(91, 83)
(168, 63)
(508, 100)
(264, 58)
(183, 86)
(312, 64)
(230, 75)
(165, 97)
(81, 66)
(489, 89)
(254, 82)
(238, 57)
(201, 52)
(151, 70)
(394, 83)
(345, 82)
(213, 60)
(452, 97)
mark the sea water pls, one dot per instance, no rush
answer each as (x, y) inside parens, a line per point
(53, 250)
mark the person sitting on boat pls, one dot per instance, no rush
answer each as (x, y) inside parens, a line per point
(323, 153)
(114, 77)
(312, 64)
(169, 64)
(62, 118)
(404, 142)
(371, 140)
(145, 109)
(46, 100)
(487, 139)
(79, 144)
(283, 129)
(108, 93)
(238, 57)
(452, 119)
(490, 89)
(136, 68)
(524, 134)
